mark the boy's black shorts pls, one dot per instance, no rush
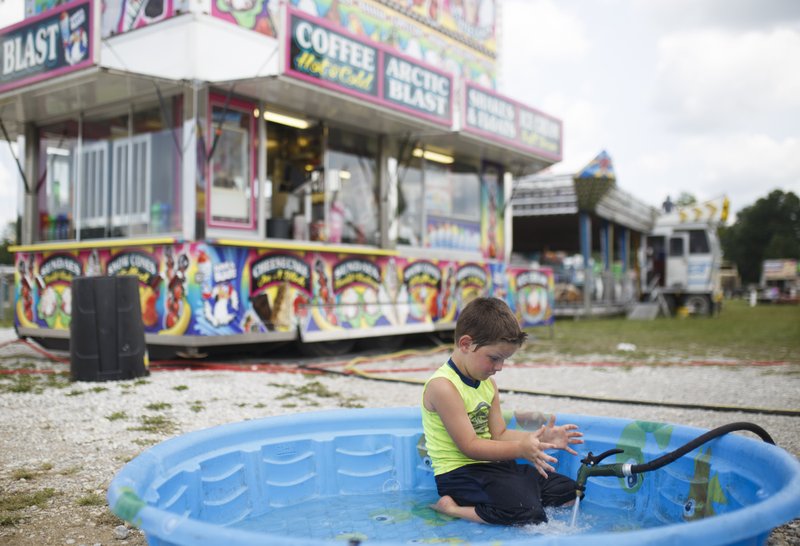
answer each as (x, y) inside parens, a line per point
(505, 492)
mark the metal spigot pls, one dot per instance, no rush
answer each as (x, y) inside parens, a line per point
(589, 468)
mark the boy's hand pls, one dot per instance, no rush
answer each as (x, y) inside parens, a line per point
(561, 436)
(534, 450)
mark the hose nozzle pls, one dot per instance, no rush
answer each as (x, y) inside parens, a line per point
(590, 468)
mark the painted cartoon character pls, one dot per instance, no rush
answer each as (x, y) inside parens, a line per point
(221, 307)
(93, 267)
(26, 288)
(447, 295)
(323, 292)
(176, 287)
(252, 14)
(632, 441)
(204, 275)
(704, 489)
(492, 229)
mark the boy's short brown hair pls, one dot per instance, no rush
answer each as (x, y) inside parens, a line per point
(489, 321)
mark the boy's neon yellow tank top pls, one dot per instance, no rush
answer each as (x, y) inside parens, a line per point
(445, 455)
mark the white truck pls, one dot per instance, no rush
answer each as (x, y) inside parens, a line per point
(681, 259)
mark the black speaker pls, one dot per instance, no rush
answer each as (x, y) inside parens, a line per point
(106, 331)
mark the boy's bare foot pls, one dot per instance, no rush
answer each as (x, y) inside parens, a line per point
(446, 505)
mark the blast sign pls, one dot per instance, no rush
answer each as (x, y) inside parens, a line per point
(46, 46)
(411, 85)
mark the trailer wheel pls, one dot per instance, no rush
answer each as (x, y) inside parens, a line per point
(698, 305)
(385, 344)
(326, 348)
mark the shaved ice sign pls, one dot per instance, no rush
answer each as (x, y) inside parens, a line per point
(490, 115)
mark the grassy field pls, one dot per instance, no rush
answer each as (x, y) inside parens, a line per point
(761, 333)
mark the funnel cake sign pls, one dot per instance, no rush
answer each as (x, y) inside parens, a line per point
(319, 53)
(57, 42)
(493, 116)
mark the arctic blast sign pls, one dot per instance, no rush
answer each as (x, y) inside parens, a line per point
(410, 85)
(321, 54)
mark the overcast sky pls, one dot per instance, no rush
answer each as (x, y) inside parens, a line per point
(697, 96)
(701, 96)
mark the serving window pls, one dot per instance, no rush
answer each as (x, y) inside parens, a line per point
(111, 175)
(352, 160)
(452, 206)
(57, 192)
(231, 164)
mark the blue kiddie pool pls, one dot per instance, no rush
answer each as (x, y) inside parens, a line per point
(363, 477)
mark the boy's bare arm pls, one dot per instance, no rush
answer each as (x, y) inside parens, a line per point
(443, 398)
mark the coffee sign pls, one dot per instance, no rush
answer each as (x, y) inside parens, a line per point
(57, 42)
(318, 53)
(324, 54)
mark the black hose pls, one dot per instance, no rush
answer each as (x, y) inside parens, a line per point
(700, 440)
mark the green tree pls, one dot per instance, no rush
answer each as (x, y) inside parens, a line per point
(7, 238)
(685, 199)
(766, 230)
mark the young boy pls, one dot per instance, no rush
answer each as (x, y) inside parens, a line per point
(472, 451)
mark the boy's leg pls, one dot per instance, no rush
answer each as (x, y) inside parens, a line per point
(446, 505)
(558, 490)
(500, 493)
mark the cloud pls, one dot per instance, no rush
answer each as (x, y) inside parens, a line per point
(584, 127)
(716, 80)
(538, 31)
(730, 14)
(8, 186)
(742, 166)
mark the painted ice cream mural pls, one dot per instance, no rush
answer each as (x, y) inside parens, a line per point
(208, 290)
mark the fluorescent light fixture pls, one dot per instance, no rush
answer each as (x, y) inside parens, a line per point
(57, 151)
(433, 156)
(283, 119)
(344, 175)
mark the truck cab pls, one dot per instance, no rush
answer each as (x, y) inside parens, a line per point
(682, 259)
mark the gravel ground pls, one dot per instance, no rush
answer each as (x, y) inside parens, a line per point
(66, 441)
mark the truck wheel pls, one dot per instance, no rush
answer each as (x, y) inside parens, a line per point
(698, 305)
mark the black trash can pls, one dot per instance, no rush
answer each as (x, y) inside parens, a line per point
(106, 331)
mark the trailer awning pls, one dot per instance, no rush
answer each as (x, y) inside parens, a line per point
(89, 89)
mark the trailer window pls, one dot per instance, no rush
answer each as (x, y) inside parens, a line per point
(121, 176)
(409, 203)
(452, 204)
(354, 158)
(58, 145)
(698, 242)
(231, 164)
(676, 246)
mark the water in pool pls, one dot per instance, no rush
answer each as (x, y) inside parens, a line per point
(406, 516)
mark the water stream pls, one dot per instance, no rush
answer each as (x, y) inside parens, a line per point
(575, 509)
